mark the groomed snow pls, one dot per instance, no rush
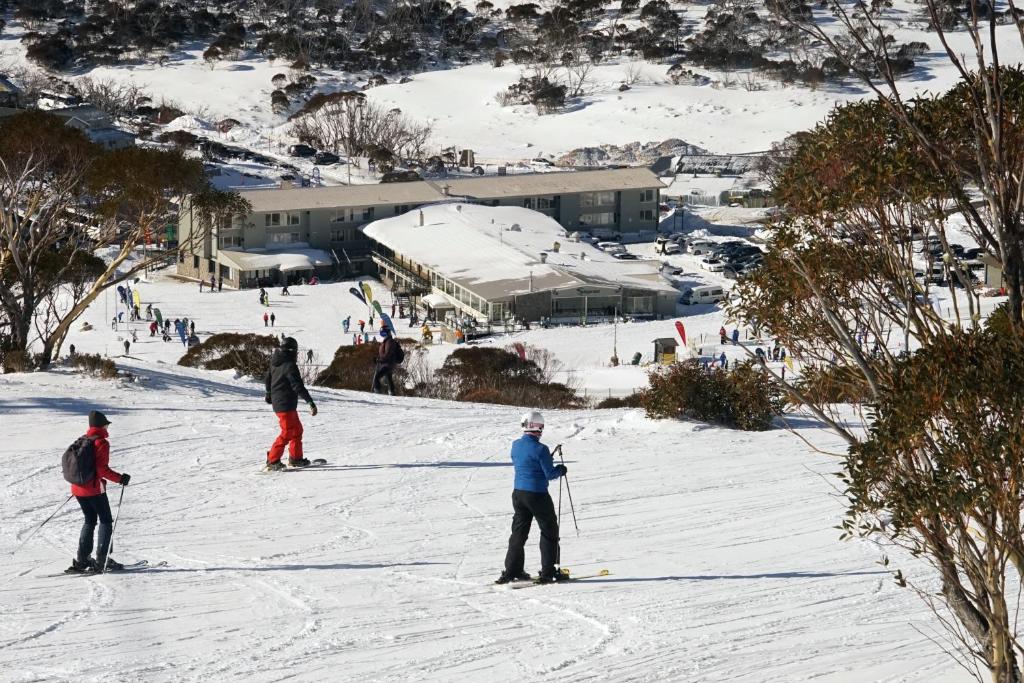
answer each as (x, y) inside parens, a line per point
(725, 563)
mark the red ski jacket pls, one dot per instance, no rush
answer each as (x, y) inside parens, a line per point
(103, 471)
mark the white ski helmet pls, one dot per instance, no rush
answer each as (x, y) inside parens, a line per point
(533, 421)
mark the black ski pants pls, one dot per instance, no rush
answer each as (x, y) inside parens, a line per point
(380, 375)
(528, 506)
(94, 508)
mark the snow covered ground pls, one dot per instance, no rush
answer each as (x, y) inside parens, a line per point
(723, 557)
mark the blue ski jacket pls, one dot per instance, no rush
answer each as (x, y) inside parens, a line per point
(533, 463)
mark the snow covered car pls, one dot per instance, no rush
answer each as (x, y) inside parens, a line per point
(301, 151)
(712, 264)
(701, 248)
(611, 247)
(323, 158)
(625, 256)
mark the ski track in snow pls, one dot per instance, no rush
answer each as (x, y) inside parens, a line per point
(379, 566)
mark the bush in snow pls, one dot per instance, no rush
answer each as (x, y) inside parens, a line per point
(248, 354)
(353, 365)
(94, 364)
(744, 398)
(491, 375)
(279, 102)
(535, 90)
(633, 400)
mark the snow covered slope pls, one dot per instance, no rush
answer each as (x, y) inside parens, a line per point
(378, 567)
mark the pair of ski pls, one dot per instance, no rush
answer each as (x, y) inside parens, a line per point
(139, 566)
(312, 463)
(570, 578)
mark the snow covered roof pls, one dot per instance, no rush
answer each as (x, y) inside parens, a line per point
(497, 251)
(538, 184)
(284, 260)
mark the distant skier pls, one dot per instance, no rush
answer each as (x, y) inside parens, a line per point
(534, 467)
(71, 351)
(92, 498)
(722, 334)
(724, 361)
(272, 319)
(362, 326)
(284, 389)
(192, 327)
(345, 324)
(202, 283)
(149, 311)
(389, 355)
(213, 283)
(126, 345)
(735, 335)
(309, 355)
(284, 290)
(266, 319)
(220, 283)
(761, 355)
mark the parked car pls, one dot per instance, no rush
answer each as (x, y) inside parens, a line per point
(701, 248)
(625, 256)
(301, 151)
(712, 264)
(672, 248)
(973, 252)
(611, 247)
(707, 294)
(326, 158)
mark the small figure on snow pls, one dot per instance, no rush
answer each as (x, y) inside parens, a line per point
(202, 283)
(724, 361)
(92, 497)
(722, 334)
(735, 336)
(284, 389)
(266, 319)
(389, 355)
(345, 324)
(126, 345)
(272, 319)
(220, 283)
(534, 468)
(362, 326)
(284, 290)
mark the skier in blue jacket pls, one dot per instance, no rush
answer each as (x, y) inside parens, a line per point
(534, 467)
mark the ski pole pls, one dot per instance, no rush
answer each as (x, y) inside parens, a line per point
(59, 508)
(113, 527)
(568, 491)
(558, 549)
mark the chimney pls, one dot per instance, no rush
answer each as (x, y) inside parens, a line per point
(421, 218)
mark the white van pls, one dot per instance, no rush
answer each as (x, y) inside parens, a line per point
(611, 247)
(708, 294)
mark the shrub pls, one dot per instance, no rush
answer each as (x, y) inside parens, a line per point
(833, 385)
(95, 365)
(745, 398)
(535, 90)
(248, 354)
(493, 375)
(17, 361)
(631, 401)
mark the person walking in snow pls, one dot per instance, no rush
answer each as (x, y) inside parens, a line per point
(126, 345)
(345, 324)
(362, 326)
(266, 319)
(92, 498)
(761, 355)
(149, 311)
(213, 282)
(389, 355)
(220, 283)
(202, 283)
(284, 389)
(192, 327)
(534, 468)
(284, 290)
(735, 336)
(272, 319)
(724, 361)
(722, 334)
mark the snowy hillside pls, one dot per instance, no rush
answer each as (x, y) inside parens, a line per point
(724, 559)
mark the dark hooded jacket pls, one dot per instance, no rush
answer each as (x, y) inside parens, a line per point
(284, 383)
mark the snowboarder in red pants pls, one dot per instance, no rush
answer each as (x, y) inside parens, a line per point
(284, 388)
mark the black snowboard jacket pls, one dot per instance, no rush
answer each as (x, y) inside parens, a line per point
(284, 383)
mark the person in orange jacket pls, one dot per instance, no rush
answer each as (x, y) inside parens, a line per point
(92, 498)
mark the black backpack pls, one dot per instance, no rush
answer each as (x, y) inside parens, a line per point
(79, 461)
(399, 353)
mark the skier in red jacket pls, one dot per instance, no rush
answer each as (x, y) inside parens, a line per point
(92, 497)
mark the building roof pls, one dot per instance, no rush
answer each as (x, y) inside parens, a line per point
(542, 184)
(285, 260)
(491, 187)
(336, 196)
(86, 115)
(496, 252)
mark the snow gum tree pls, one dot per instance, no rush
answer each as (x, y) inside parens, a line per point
(63, 202)
(935, 465)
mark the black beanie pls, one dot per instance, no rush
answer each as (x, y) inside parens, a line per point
(97, 419)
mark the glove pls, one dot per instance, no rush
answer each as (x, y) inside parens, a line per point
(312, 409)
(267, 398)
(562, 470)
(125, 478)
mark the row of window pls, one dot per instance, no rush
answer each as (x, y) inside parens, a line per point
(272, 220)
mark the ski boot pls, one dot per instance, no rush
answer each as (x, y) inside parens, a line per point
(556, 577)
(274, 466)
(111, 565)
(508, 578)
(81, 567)
(298, 462)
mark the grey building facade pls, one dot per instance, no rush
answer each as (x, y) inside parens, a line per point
(327, 219)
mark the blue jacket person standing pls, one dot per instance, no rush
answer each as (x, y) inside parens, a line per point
(534, 468)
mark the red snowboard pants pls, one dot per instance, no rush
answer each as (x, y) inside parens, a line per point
(291, 436)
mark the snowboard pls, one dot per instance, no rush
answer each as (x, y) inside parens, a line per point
(288, 468)
(564, 570)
